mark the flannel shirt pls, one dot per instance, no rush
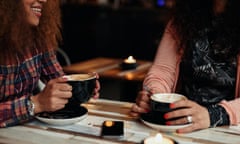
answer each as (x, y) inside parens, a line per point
(19, 80)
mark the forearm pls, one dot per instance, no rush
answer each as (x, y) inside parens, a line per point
(13, 112)
(163, 75)
(232, 108)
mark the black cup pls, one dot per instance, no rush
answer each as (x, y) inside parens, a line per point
(159, 105)
(83, 86)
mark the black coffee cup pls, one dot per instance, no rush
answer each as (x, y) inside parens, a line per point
(83, 86)
(159, 105)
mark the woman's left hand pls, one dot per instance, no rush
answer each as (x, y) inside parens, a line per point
(192, 113)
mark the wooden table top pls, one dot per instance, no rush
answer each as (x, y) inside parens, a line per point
(110, 68)
(87, 131)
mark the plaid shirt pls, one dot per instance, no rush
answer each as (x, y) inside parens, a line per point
(18, 81)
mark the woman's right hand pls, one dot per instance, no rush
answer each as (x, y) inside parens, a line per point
(142, 104)
(53, 97)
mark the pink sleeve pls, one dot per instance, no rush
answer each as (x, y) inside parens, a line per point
(233, 109)
(163, 74)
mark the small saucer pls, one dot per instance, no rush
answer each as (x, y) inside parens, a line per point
(163, 128)
(128, 66)
(64, 116)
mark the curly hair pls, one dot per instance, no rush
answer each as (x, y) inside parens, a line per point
(17, 36)
(190, 16)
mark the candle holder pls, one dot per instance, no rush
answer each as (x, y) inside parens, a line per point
(158, 139)
(128, 66)
(129, 63)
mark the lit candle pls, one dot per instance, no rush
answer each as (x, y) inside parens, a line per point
(129, 63)
(158, 139)
(130, 60)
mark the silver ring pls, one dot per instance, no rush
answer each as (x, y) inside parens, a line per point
(189, 119)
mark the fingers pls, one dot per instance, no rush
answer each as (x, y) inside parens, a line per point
(190, 113)
(141, 105)
(142, 96)
(98, 86)
(58, 80)
(140, 109)
(96, 95)
(44, 102)
(136, 110)
(63, 87)
(193, 127)
(56, 104)
(94, 73)
(59, 84)
(183, 108)
(188, 129)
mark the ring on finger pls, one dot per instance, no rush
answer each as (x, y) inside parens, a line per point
(189, 119)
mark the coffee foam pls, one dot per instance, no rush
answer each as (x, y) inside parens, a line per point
(167, 97)
(79, 77)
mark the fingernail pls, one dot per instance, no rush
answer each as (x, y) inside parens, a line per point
(168, 123)
(65, 78)
(178, 131)
(172, 105)
(147, 110)
(166, 116)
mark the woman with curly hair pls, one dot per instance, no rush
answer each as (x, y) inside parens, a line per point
(29, 36)
(199, 57)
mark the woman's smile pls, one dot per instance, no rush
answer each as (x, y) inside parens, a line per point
(34, 10)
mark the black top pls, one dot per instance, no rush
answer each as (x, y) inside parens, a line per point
(208, 71)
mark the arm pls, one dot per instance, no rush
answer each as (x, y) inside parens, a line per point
(232, 107)
(17, 84)
(50, 67)
(163, 75)
(13, 112)
(56, 91)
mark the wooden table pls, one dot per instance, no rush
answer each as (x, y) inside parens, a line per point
(87, 131)
(110, 68)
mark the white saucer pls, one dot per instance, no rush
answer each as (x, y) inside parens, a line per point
(83, 113)
(164, 128)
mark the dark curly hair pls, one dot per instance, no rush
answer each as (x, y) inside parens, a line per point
(17, 36)
(190, 16)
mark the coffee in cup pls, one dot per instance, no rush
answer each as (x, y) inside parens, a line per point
(159, 105)
(83, 86)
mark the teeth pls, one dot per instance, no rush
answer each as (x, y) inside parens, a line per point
(37, 9)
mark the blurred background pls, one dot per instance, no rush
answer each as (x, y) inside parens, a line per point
(115, 29)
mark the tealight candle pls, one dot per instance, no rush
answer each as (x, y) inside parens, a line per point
(158, 139)
(130, 60)
(129, 63)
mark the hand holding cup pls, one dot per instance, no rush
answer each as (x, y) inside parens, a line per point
(160, 105)
(83, 87)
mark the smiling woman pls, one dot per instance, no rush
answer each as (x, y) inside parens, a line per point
(27, 48)
(29, 36)
(15, 32)
(34, 10)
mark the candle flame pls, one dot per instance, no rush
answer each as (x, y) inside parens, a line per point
(130, 58)
(158, 137)
(108, 123)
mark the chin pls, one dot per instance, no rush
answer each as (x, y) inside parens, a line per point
(34, 22)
